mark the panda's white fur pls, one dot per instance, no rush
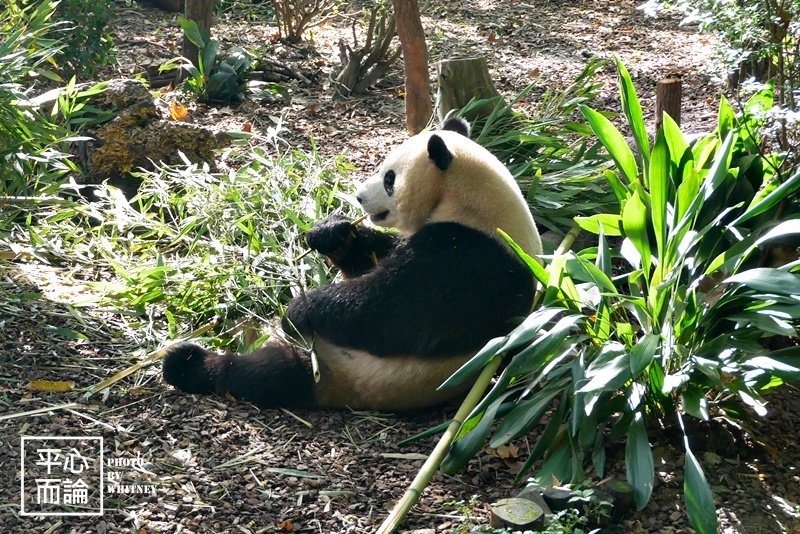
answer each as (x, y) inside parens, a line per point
(389, 334)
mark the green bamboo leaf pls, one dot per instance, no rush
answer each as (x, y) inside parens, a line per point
(695, 402)
(530, 327)
(765, 322)
(715, 176)
(609, 370)
(678, 147)
(639, 462)
(585, 271)
(612, 223)
(492, 349)
(642, 353)
(634, 224)
(620, 191)
(760, 102)
(66, 333)
(777, 367)
(633, 112)
(614, 142)
(760, 205)
(697, 494)
(719, 170)
(558, 464)
(603, 260)
(523, 417)
(209, 56)
(659, 191)
(548, 346)
(536, 268)
(726, 118)
(468, 446)
(768, 280)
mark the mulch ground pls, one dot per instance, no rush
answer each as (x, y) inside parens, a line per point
(216, 465)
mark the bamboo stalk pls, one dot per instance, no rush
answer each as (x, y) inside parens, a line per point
(431, 465)
(562, 249)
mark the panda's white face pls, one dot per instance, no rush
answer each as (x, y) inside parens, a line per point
(391, 199)
(442, 176)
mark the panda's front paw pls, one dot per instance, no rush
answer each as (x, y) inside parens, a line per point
(332, 236)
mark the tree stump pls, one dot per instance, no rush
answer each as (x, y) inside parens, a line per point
(201, 12)
(461, 80)
(517, 514)
(668, 100)
(415, 64)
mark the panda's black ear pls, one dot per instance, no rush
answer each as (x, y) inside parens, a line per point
(439, 153)
(458, 125)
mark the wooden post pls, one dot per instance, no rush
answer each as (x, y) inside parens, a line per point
(461, 80)
(199, 11)
(668, 100)
(415, 64)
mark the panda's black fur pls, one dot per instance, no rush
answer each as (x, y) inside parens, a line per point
(445, 290)
(434, 295)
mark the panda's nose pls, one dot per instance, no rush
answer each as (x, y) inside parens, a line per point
(360, 199)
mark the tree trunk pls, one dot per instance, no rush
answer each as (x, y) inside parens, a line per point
(461, 80)
(199, 11)
(668, 100)
(415, 62)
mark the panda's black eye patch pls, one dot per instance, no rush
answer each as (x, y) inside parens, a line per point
(388, 182)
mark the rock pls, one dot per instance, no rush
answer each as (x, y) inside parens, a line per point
(137, 137)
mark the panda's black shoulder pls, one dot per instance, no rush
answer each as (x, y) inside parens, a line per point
(451, 244)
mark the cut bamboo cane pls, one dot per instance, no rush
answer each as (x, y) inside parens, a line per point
(431, 465)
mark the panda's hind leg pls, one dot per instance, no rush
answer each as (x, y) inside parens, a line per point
(277, 374)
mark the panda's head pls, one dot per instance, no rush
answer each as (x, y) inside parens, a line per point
(444, 176)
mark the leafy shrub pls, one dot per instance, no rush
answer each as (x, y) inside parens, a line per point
(215, 78)
(679, 322)
(552, 157)
(756, 40)
(87, 40)
(757, 37)
(30, 159)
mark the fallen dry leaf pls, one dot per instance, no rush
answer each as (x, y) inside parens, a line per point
(178, 111)
(57, 386)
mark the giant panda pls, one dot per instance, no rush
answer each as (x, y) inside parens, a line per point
(413, 306)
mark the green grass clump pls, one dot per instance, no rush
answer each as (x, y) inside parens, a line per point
(194, 245)
(31, 154)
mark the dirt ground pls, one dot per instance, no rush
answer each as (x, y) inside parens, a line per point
(208, 464)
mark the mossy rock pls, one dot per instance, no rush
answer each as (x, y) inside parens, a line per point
(137, 137)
